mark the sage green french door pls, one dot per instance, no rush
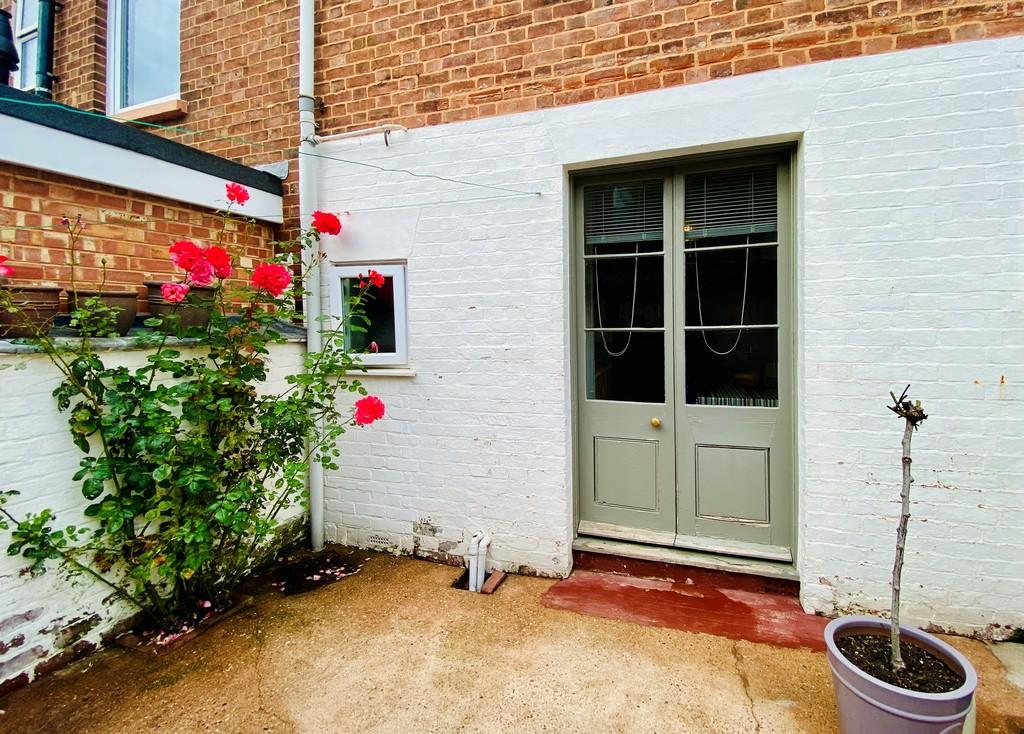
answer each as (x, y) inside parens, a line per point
(624, 274)
(684, 343)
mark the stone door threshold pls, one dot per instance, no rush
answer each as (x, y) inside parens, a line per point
(683, 557)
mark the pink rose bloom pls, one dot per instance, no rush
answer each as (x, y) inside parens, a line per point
(201, 272)
(368, 410)
(174, 292)
(5, 270)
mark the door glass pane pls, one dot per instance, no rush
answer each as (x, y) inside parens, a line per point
(150, 58)
(379, 308)
(623, 217)
(732, 287)
(731, 231)
(723, 204)
(737, 368)
(626, 292)
(626, 366)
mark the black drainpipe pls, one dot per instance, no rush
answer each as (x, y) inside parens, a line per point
(44, 58)
(8, 52)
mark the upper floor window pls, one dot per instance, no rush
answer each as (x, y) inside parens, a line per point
(144, 53)
(26, 38)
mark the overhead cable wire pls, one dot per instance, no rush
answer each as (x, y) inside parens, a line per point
(270, 148)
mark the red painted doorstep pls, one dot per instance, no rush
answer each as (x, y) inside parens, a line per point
(605, 563)
(735, 606)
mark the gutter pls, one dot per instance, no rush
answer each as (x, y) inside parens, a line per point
(308, 193)
(21, 106)
(44, 50)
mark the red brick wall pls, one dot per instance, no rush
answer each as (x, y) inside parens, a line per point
(424, 62)
(131, 232)
(240, 76)
(80, 55)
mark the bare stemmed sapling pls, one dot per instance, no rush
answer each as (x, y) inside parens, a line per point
(912, 414)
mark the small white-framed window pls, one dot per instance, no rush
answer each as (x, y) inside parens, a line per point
(143, 53)
(383, 343)
(26, 39)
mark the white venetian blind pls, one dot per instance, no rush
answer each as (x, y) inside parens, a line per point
(626, 212)
(733, 202)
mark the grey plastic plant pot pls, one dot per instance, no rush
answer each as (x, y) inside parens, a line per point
(870, 706)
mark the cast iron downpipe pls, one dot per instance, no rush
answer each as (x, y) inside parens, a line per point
(308, 192)
(8, 51)
(44, 54)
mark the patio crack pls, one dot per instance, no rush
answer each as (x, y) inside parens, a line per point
(738, 658)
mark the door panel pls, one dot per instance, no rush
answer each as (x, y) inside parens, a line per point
(733, 385)
(732, 483)
(626, 473)
(749, 429)
(626, 440)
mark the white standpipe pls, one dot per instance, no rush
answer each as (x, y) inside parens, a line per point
(481, 564)
(308, 193)
(474, 550)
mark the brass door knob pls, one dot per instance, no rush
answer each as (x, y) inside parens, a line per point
(655, 422)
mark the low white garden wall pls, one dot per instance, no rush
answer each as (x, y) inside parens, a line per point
(48, 620)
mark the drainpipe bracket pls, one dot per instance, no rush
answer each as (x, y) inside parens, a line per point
(310, 103)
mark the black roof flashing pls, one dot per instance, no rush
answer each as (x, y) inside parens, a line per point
(104, 130)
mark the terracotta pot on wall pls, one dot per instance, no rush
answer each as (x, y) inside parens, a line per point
(868, 705)
(193, 311)
(38, 303)
(126, 301)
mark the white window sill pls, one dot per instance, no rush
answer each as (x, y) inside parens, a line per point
(162, 109)
(383, 372)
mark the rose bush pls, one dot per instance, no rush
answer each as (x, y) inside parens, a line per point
(187, 464)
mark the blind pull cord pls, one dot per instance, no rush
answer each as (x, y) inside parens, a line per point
(746, 270)
(632, 310)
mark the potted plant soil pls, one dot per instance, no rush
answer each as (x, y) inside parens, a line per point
(193, 311)
(118, 307)
(895, 679)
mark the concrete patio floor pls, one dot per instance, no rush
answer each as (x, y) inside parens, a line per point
(394, 649)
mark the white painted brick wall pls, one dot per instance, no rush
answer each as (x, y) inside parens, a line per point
(38, 459)
(910, 251)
